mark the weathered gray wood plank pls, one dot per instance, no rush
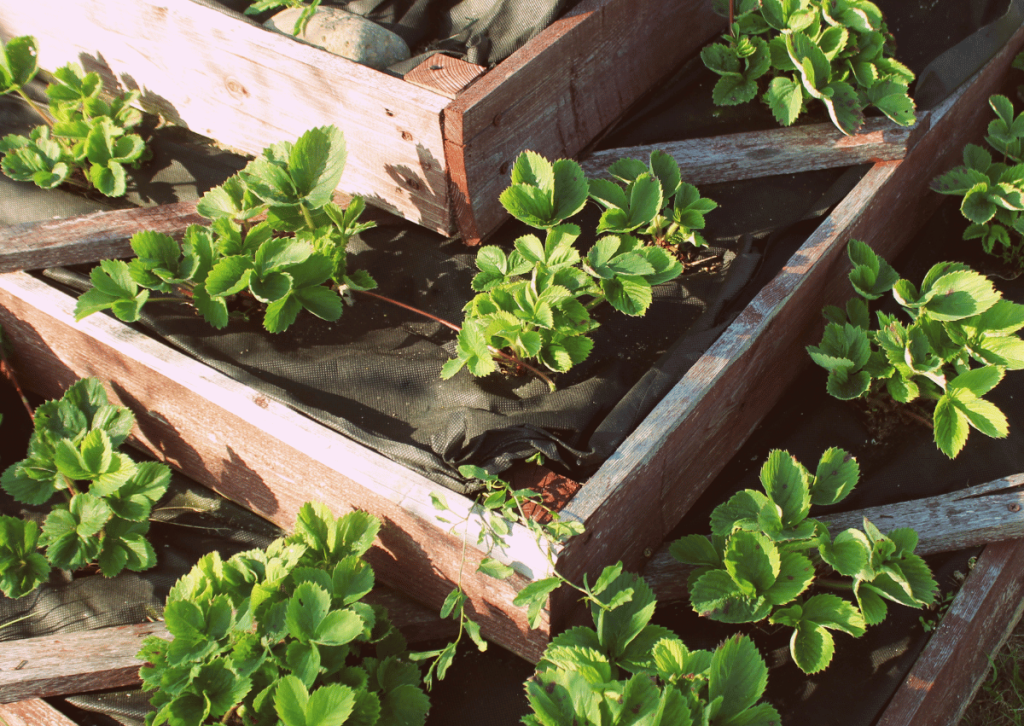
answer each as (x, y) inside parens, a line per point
(731, 157)
(979, 515)
(72, 663)
(952, 667)
(89, 237)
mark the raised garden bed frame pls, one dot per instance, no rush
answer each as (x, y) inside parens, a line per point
(265, 456)
(435, 148)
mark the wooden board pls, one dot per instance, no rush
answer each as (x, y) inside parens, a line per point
(248, 87)
(561, 91)
(32, 712)
(644, 489)
(731, 157)
(949, 672)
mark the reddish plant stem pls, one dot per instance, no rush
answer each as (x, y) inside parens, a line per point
(918, 417)
(510, 358)
(731, 13)
(8, 371)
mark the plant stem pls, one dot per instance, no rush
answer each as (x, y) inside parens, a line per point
(8, 370)
(32, 104)
(307, 216)
(919, 418)
(834, 584)
(520, 362)
(732, 31)
(424, 313)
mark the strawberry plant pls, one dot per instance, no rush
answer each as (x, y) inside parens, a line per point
(107, 497)
(956, 319)
(281, 636)
(627, 670)
(837, 52)
(83, 132)
(535, 301)
(293, 260)
(765, 555)
(993, 191)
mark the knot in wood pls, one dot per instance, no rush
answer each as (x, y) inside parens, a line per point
(406, 136)
(1013, 507)
(235, 87)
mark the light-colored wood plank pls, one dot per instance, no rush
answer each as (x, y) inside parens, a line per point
(266, 457)
(732, 157)
(560, 91)
(32, 712)
(72, 663)
(952, 667)
(248, 87)
(972, 517)
(88, 238)
(642, 491)
(445, 75)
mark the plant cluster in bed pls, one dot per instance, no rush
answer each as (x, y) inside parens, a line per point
(83, 132)
(627, 670)
(766, 557)
(795, 52)
(993, 191)
(282, 262)
(535, 301)
(957, 320)
(281, 636)
(107, 498)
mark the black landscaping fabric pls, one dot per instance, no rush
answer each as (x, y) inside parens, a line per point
(757, 227)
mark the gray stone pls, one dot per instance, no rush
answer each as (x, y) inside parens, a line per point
(346, 34)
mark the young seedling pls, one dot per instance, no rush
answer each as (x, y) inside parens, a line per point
(82, 132)
(993, 191)
(104, 518)
(836, 52)
(280, 636)
(957, 319)
(765, 557)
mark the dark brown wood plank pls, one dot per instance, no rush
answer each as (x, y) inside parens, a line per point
(445, 75)
(731, 157)
(72, 663)
(560, 91)
(952, 667)
(33, 712)
(639, 494)
(979, 515)
(264, 456)
(88, 238)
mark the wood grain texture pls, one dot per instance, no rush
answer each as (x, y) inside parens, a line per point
(32, 712)
(265, 456)
(248, 87)
(732, 157)
(560, 91)
(69, 663)
(643, 490)
(952, 667)
(972, 517)
(72, 663)
(88, 238)
(445, 75)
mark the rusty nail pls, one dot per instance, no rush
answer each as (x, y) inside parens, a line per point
(407, 136)
(1013, 507)
(21, 665)
(497, 119)
(435, 68)
(389, 112)
(648, 552)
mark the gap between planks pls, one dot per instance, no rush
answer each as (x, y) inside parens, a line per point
(990, 512)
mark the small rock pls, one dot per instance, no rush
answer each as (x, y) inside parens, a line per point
(346, 34)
